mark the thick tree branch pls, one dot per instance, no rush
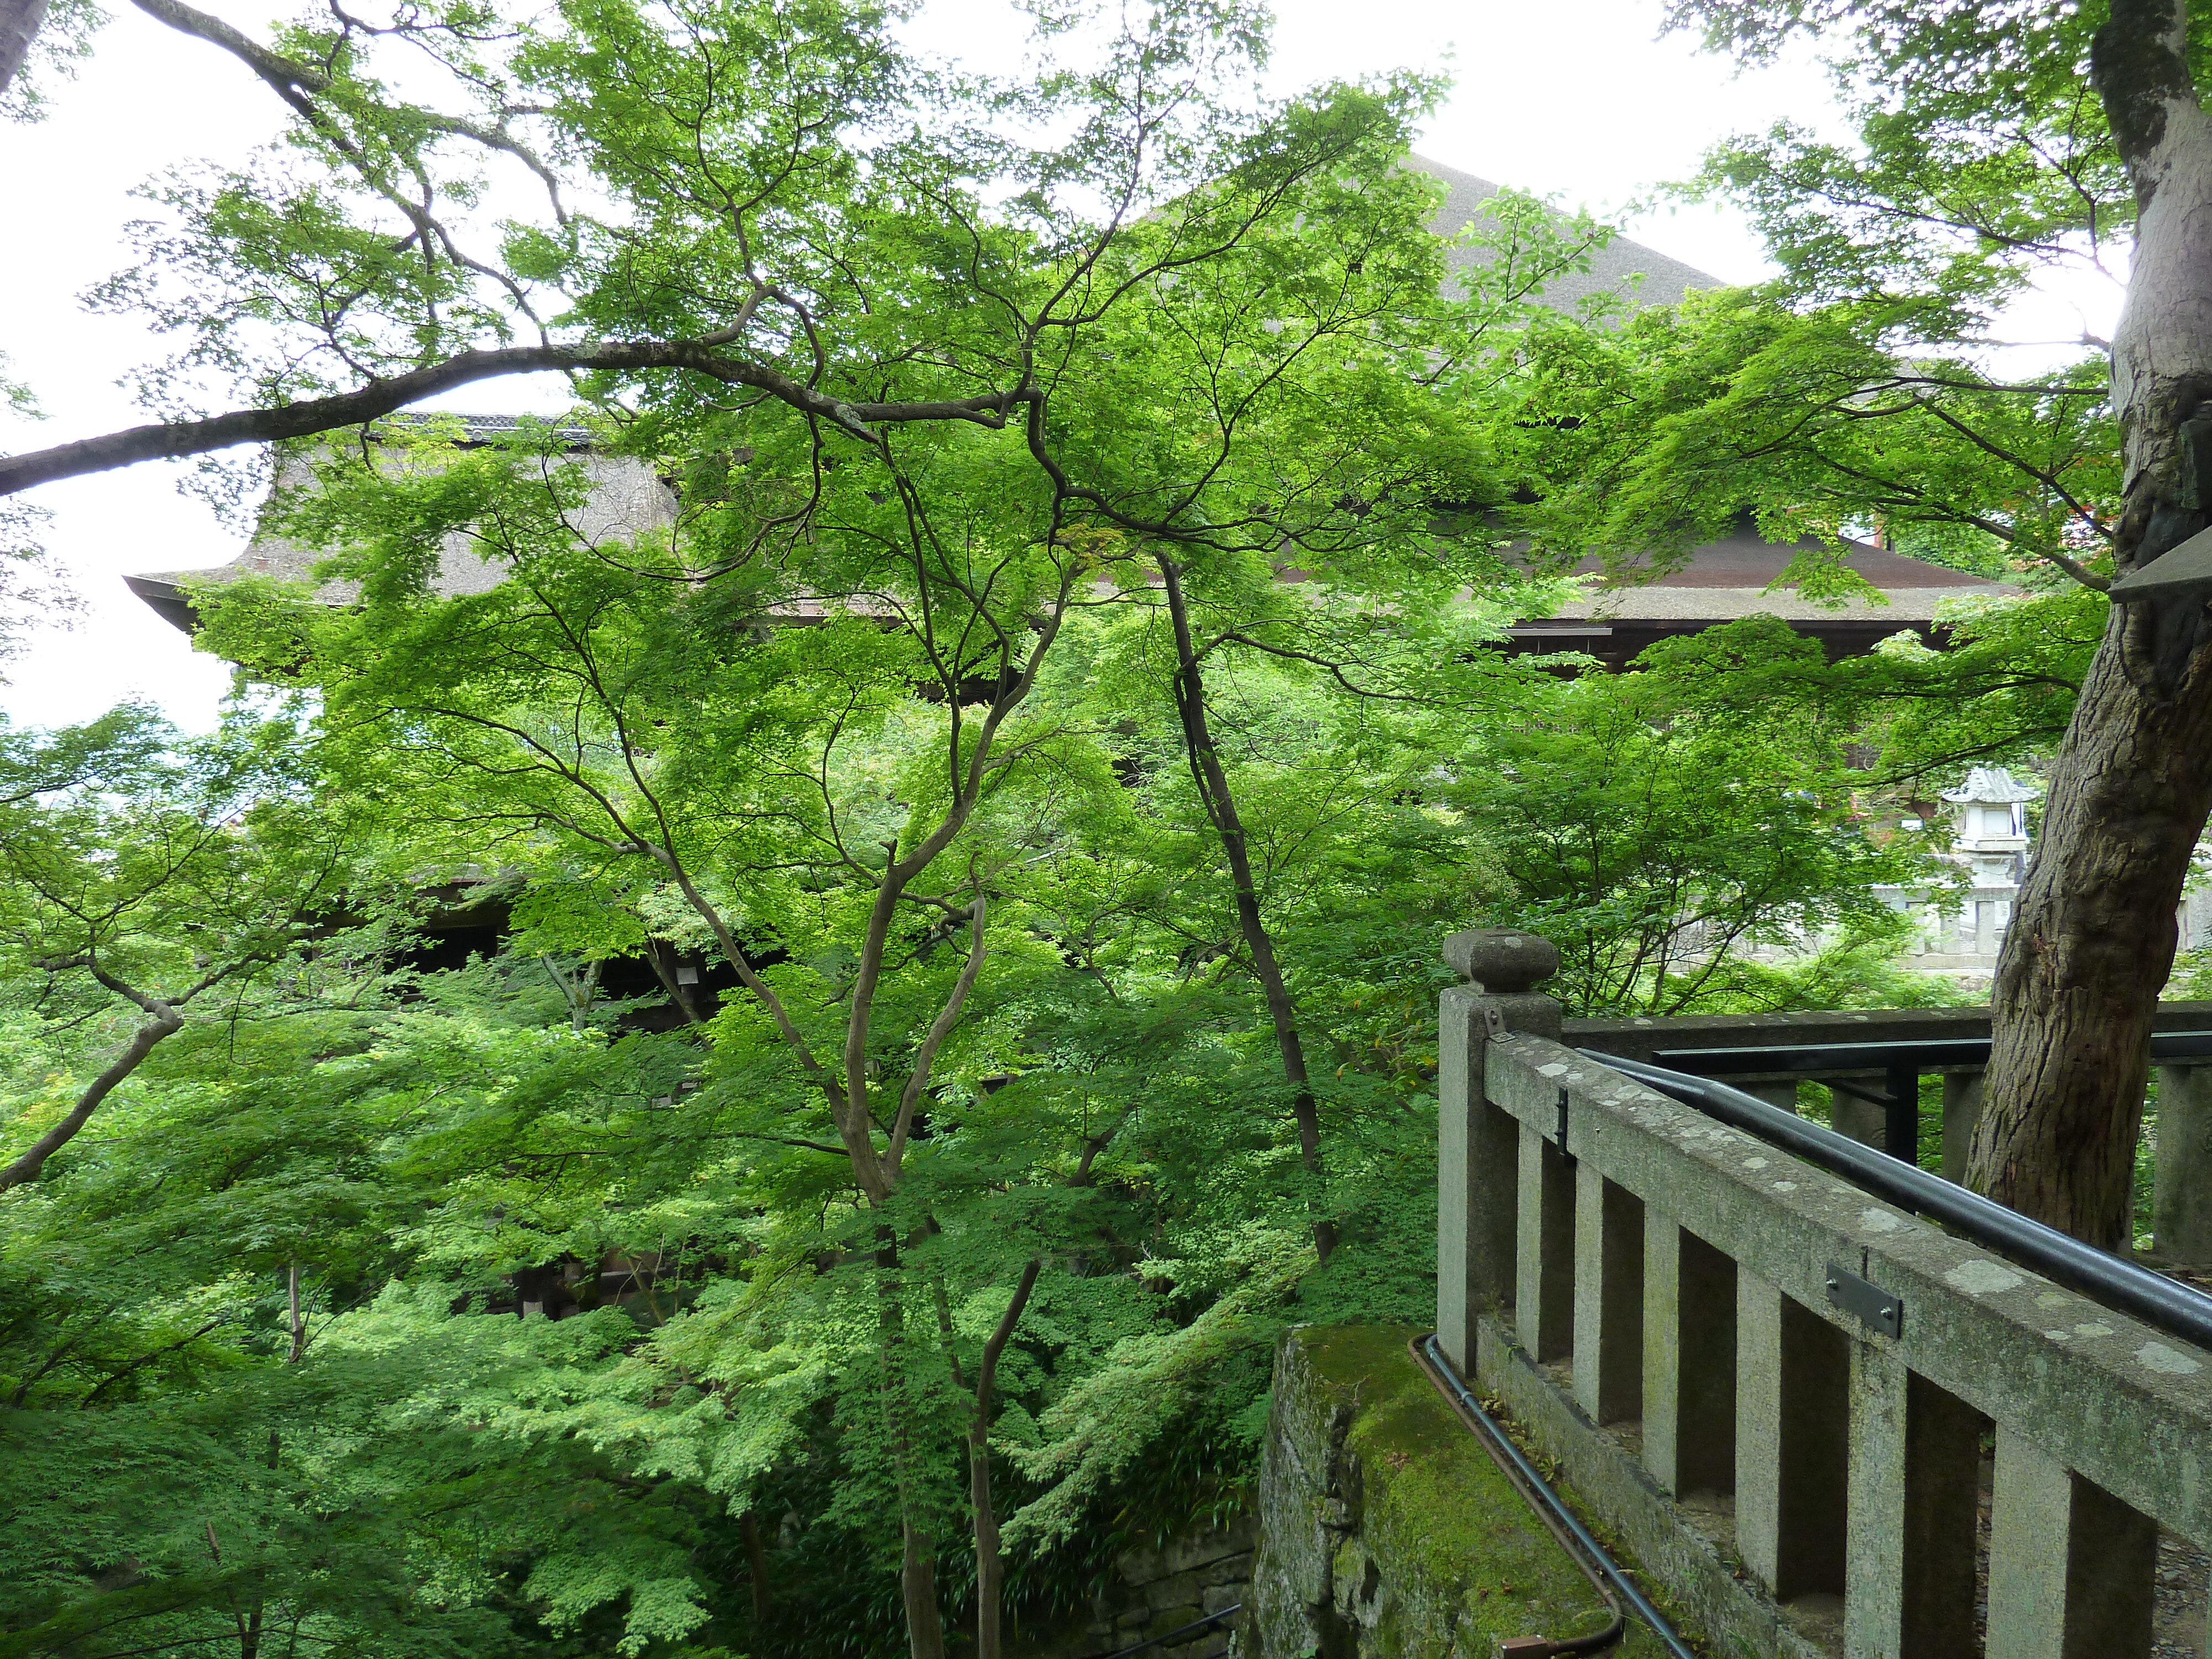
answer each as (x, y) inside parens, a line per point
(20, 22)
(165, 1023)
(172, 440)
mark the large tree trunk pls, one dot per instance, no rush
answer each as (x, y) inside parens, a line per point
(1220, 805)
(2092, 941)
(20, 21)
(2090, 947)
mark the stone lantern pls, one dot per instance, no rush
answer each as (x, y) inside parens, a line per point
(1989, 840)
(1992, 833)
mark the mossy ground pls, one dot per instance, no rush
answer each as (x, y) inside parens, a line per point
(1460, 1550)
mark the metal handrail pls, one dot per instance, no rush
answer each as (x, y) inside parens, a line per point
(1210, 1620)
(1613, 1585)
(2152, 1298)
(1927, 1053)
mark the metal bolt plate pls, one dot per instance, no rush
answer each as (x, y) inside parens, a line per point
(1866, 1301)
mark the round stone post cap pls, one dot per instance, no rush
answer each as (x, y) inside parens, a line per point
(1502, 958)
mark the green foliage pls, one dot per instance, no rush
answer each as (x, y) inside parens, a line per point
(876, 722)
(1656, 826)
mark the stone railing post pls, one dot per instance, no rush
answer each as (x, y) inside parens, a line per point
(2181, 1202)
(1962, 1109)
(1478, 1144)
(1792, 1422)
(1689, 1359)
(1909, 1554)
(2072, 1569)
(1609, 1318)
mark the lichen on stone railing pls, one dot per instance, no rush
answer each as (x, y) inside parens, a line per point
(1785, 1395)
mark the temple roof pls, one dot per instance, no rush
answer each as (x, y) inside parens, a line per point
(1991, 786)
(1649, 277)
(1721, 580)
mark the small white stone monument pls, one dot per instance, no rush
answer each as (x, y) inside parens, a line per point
(1992, 838)
(1990, 842)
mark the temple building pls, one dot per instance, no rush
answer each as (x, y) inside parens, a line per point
(1621, 614)
(1726, 580)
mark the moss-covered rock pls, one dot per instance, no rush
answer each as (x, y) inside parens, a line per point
(1386, 1532)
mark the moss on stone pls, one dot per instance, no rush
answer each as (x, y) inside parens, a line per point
(1451, 1557)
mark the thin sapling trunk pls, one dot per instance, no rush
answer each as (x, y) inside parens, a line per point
(990, 1565)
(1220, 805)
(757, 1565)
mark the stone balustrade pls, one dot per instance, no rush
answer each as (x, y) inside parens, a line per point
(1786, 1396)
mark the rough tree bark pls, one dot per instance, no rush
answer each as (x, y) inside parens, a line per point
(19, 20)
(990, 1563)
(1221, 809)
(2093, 938)
(924, 1630)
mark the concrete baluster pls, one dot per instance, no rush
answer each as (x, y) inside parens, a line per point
(1791, 1428)
(1862, 1120)
(2072, 1569)
(1478, 1144)
(1689, 1360)
(1784, 1095)
(1544, 1298)
(1962, 1110)
(1478, 1183)
(1608, 1298)
(2181, 1202)
(1909, 1550)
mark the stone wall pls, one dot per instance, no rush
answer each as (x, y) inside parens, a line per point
(1385, 1531)
(1155, 1592)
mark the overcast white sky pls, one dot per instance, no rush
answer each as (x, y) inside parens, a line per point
(1576, 97)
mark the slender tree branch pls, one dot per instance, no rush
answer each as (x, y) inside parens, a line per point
(925, 1060)
(165, 1023)
(990, 1566)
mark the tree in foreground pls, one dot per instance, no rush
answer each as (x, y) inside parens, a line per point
(150, 883)
(1005, 380)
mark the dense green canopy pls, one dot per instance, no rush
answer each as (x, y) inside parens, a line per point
(1058, 717)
